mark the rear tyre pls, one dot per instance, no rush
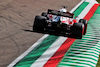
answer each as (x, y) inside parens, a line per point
(77, 30)
(85, 24)
(39, 24)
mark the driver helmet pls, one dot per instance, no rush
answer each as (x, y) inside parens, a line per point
(63, 10)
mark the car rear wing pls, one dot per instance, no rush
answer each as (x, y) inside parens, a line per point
(58, 13)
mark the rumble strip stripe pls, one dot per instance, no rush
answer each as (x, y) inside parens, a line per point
(85, 11)
(49, 52)
(91, 12)
(54, 60)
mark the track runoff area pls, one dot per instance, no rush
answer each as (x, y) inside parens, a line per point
(59, 51)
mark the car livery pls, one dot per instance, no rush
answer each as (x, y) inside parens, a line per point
(60, 21)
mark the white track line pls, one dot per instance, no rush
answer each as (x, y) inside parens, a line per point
(40, 62)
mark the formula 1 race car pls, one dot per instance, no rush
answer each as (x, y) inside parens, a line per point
(60, 21)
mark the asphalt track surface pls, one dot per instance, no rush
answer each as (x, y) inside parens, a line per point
(16, 21)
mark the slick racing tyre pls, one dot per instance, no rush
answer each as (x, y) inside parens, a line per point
(39, 24)
(77, 30)
(85, 24)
